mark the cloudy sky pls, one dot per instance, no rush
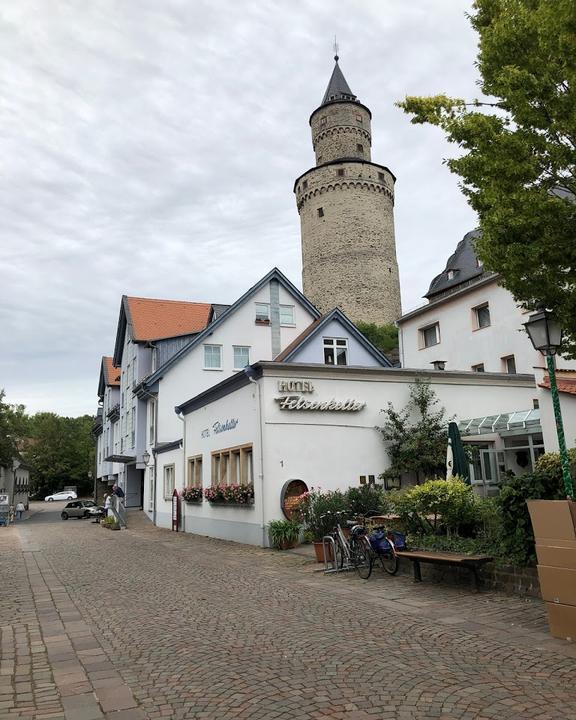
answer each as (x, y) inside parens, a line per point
(149, 148)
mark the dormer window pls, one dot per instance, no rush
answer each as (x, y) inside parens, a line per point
(451, 274)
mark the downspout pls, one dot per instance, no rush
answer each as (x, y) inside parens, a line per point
(250, 377)
(180, 415)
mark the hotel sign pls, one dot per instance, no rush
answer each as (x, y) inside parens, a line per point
(297, 402)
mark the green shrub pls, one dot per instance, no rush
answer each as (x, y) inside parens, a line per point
(283, 533)
(543, 484)
(317, 509)
(363, 499)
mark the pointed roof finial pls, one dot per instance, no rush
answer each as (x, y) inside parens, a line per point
(336, 49)
(338, 89)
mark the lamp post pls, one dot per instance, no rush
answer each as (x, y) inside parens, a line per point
(545, 334)
(146, 457)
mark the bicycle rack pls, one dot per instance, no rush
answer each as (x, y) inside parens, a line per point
(329, 548)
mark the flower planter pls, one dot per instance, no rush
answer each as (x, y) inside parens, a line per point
(223, 503)
(319, 550)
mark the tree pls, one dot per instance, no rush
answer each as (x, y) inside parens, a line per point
(518, 166)
(13, 428)
(416, 447)
(384, 337)
(60, 451)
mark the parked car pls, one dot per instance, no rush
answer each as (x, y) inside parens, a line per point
(64, 495)
(81, 509)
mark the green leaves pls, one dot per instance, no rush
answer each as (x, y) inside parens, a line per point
(518, 147)
(416, 446)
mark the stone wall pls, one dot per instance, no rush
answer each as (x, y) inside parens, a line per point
(348, 245)
(337, 131)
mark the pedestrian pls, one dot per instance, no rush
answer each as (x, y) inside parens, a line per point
(117, 490)
(19, 510)
(107, 504)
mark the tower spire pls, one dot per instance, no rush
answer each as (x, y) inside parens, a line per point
(336, 58)
(338, 89)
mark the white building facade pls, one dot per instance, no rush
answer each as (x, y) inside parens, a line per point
(309, 422)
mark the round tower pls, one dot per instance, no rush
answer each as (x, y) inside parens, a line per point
(346, 206)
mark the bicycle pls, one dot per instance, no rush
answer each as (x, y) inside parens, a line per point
(383, 546)
(353, 552)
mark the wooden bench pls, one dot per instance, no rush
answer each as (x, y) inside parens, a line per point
(471, 562)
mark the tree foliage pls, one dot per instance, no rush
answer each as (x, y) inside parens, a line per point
(518, 165)
(416, 446)
(59, 450)
(384, 337)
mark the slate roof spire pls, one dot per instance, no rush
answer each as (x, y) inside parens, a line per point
(338, 89)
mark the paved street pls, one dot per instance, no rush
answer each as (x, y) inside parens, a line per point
(146, 623)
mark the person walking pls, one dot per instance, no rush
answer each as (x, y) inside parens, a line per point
(107, 505)
(20, 510)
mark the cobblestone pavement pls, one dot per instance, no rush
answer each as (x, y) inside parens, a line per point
(146, 623)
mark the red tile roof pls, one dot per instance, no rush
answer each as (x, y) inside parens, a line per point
(565, 379)
(111, 373)
(158, 319)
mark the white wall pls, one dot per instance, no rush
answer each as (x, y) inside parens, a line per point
(188, 378)
(313, 351)
(461, 345)
(324, 449)
(568, 409)
(242, 524)
(163, 506)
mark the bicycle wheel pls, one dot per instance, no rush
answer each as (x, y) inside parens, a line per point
(389, 562)
(340, 555)
(362, 558)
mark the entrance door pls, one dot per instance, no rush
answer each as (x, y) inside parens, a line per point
(485, 471)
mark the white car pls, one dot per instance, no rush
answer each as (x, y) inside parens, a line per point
(64, 495)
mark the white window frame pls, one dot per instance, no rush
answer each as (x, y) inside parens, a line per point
(331, 343)
(212, 345)
(169, 480)
(259, 314)
(475, 311)
(292, 322)
(240, 347)
(422, 335)
(475, 368)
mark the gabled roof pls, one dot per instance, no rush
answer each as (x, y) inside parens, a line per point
(152, 319)
(109, 375)
(461, 267)
(338, 89)
(274, 274)
(317, 326)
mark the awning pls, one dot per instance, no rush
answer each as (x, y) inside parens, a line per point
(126, 459)
(528, 420)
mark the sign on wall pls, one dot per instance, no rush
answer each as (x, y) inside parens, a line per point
(220, 427)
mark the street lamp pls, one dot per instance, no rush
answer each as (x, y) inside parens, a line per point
(545, 334)
(146, 457)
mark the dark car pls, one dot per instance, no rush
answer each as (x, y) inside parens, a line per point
(81, 509)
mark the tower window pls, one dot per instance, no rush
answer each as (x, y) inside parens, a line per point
(381, 176)
(323, 120)
(320, 212)
(360, 148)
(359, 118)
(305, 185)
(340, 173)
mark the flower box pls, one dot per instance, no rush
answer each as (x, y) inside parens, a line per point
(192, 495)
(230, 495)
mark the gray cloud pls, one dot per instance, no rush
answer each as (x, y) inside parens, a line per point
(150, 149)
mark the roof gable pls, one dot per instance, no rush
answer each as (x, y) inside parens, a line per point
(150, 319)
(109, 375)
(290, 353)
(274, 274)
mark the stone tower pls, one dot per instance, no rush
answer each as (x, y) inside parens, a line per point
(346, 206)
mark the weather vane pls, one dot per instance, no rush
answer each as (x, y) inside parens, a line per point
(335, 49)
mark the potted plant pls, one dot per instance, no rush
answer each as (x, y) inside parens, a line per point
(192, 494)
(230, 494)
(110, 523)
(284, 534)
(316, 510)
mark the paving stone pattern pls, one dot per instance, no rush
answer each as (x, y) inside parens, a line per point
(145, 623)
